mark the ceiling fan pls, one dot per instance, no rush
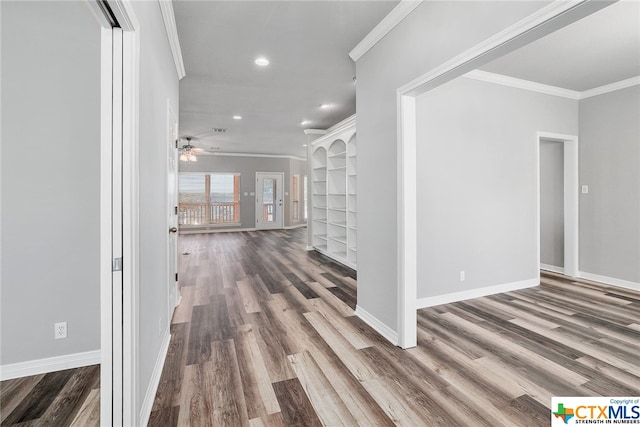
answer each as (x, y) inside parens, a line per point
(187, 150)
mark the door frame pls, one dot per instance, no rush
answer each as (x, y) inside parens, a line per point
(172, 270)
(571, 196)
(533, 27)
(281, 209)
(119, 194)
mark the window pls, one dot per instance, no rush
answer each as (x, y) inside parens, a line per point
(209, 198)
(295, 197)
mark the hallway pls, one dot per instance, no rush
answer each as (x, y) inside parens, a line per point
(265, 334)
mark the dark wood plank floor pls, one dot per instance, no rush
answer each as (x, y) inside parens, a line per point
(64, 398)
(265, 334)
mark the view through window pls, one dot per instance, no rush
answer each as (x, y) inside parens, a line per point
(209, 198)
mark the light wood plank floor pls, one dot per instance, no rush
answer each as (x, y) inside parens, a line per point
(265, 335)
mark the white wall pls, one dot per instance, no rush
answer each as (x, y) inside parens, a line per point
(158, 82)
(432, 34)
(247, 167)
(50, 179)
(610, 166)
(552, 203)
(477, 190)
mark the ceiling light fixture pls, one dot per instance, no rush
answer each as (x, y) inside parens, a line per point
(186, 152)
(305, 122)
(237, 117)
(304, 145)
(262, 61)
(325, 106)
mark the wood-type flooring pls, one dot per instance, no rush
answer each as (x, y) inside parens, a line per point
(265, 335)
(64, 398)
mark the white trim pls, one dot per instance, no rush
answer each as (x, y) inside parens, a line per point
(503, 80)
(388, 23)
(531, 86)
(169, 18)
(314, 131)
(623, 84)
(553, 268)
(407, 222)
(477, 293)
(154, 381)
(514, 33)
(309, 248)
(291, 227)
(537, 25)
(49, 364)
(610, 280)
(272, 156)
(571, 199)
(106, 315)
(377, 325)
(348, 122)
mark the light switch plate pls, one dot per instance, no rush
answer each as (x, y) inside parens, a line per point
(585, 189)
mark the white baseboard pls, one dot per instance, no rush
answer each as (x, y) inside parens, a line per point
(381, 328)
(291, 227)
(154, 382)
(476, 293)
(50, 364)
(635, 286)
(549, 267)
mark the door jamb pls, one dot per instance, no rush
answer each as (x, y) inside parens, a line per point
(571, 195)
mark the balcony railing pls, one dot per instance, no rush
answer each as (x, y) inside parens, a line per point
(205, 214)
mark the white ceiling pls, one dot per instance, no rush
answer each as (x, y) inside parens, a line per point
(600, 49)
(307, 44)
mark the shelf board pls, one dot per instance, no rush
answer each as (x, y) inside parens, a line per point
(340, 254)
(324, 221)
(319, 180)
(320, 207)
(350, 211)
(353, 227)
(353, 249)
(321, 247)
(337, 194)
(321, 236)
(337, 154)
(339, 224)
(339, 168)
(340, 239)
(337, 210)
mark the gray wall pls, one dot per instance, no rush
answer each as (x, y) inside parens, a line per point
(158, 82)
(610, 166)
(434, 33)
(477, 197)
(50, 179)
(552, 203)
(247, 168)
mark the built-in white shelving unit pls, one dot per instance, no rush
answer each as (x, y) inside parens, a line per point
(334, 200)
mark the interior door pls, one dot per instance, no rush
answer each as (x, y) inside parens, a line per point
(172, 210)
(269, 200)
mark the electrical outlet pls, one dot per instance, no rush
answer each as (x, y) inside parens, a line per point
(60, 330)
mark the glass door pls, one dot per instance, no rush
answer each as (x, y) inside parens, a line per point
(269, 200)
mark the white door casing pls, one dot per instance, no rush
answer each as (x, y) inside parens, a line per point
(269, 200)
(172, 211)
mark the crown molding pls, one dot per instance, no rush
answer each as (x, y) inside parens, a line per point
(315, 131)
(623, 84)
(388, 23)
(503, 80)
(169, 18)
(349, 121)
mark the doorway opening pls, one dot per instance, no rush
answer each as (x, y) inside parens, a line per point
(557, 225)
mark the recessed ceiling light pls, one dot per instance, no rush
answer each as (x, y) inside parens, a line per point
(304, 145)
(262, 61)
(237, 117)
(325, 106)
(305, 122)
